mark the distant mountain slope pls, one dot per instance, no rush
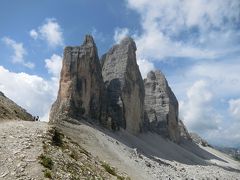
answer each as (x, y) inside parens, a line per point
(234, 152)
(198, 140)
(10, 110)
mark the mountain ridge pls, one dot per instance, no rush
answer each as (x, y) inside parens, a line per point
(10, 110)
(113, 92)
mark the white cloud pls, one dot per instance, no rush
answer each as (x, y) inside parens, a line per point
(33, 92)
(30, 91)
(120, 33)
(34, 34)
(197, 111)
(145, 67)
(206, 31)
(19, 52)
(228, 136)
(98, 35)
(51, 32)
(155, 45)
(186, 29)
(54, 65)
(234, 108)
(204, 104)
(223, 76)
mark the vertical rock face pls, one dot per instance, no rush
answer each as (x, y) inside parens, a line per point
(183, 130)
(81, 83)
(124, 85)
(161, 106)
(114, 93)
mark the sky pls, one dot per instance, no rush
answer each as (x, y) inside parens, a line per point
(196, 44)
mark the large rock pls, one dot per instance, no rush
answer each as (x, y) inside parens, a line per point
(183, 130)
(81, 84)
(161, 106)
(125, 88)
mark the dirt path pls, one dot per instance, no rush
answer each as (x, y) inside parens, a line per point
(20, 146)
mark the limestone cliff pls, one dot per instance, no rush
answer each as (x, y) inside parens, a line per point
(81, 84)
(113, 93)
(161, 106)
(183, 130)
(124, 84)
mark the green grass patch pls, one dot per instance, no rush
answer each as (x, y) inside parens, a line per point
(109, 169)
(120, 177)
(47, 174)
(46, 161)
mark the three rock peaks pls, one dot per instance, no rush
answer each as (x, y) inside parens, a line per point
(112, 91)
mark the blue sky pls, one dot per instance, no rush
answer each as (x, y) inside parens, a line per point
(195, 43)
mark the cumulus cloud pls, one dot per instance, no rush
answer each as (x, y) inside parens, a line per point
(50, 31)
(54, 65)
(145, 67)
(234, 108)
(186, 29)
(120, 33)
(197, 111)
(98, 35)
(34, 93)
(222, 75)
(18, 52)
(34, 34)
(214, 116)
(199, 42)
(30, 91)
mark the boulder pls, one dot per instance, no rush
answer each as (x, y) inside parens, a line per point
(124, 85)
(161, 106)
(81, 85)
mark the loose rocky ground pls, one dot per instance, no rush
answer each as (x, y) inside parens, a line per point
(20, 146)
(65, 159)
(33, 150)
(149, 156)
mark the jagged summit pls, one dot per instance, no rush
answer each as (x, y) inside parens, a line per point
(88, 43)
(161, 106)
(88, 39)
(113, 93)
(81, 84)
(128, 41)
(124, 86)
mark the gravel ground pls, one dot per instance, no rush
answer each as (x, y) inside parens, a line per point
(147, 156)
(20, 146)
